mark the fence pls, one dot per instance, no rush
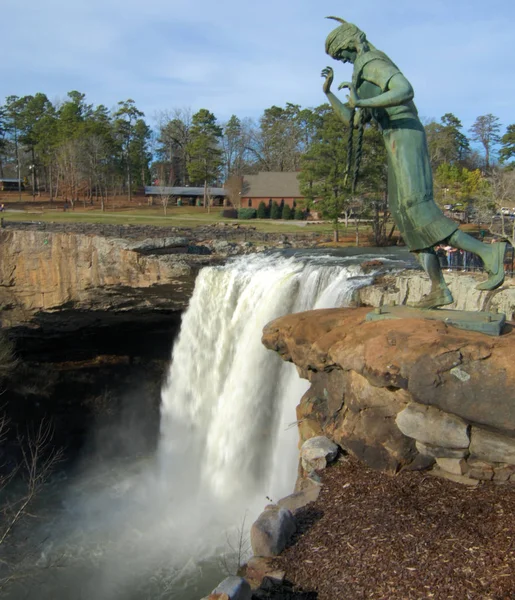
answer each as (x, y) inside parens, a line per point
(453, 259)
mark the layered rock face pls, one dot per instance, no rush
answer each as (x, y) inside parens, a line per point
(44, 272)
(404, 393)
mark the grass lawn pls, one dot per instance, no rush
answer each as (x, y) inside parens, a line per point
(184, 216)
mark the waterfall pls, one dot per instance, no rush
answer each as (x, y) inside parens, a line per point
(228, 408)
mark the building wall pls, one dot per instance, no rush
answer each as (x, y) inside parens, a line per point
(256, 201)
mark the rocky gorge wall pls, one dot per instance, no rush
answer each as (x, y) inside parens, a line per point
(45, 272)
(404, 394)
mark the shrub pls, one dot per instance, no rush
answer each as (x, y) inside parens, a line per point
(261, 211)
(287, 213)
(299, 215)
(247, 213)
(229, 213)
(275, 211)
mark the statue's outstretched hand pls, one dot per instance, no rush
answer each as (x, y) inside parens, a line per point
(352, 98)
(329, 76)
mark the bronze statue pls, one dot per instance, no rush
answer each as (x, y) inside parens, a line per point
(380, 92)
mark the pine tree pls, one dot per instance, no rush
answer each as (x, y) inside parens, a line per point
(286, 213)
(275, 211)
(261, 211)
(204, 149)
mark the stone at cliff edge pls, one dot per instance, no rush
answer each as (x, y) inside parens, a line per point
(363, 374)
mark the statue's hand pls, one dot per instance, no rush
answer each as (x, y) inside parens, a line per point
(352, 98)
(329, 76)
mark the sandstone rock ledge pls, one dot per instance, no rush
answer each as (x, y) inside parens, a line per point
(404, 394)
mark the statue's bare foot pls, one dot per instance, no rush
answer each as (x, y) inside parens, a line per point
(495, 268)
(434, 299)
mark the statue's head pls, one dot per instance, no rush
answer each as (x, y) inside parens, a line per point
(343, 42)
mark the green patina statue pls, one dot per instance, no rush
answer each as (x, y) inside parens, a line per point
(380, 92)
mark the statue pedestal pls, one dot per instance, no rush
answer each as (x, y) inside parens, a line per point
(484, 322)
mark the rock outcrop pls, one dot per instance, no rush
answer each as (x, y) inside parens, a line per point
(410, 286)
(404, 394)
(45, 272)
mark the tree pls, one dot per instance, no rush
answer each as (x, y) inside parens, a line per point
(324, 168)
(277, 143)
(446, 143)
(485, 131)
(507, 151)
(261, 211)
(172, 150)
(125, 120)
(235, 144)
(275, 211)
(287, 213)
(204, 149)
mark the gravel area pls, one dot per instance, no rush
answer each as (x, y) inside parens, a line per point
(412, 536)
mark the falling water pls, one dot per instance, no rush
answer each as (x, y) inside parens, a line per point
(229, 404)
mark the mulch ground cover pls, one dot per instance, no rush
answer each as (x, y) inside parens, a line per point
(371, 535)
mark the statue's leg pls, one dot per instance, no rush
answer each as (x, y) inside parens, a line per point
(492, 256)
(440, 294)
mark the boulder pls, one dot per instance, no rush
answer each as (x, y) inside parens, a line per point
(492, 447)
(234, 588)
(432, 426)
(317, 452)
(271, 532)
(300, 499)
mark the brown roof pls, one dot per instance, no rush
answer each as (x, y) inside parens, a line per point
(271, 185)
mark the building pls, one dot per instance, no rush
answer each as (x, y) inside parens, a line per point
(281, 187)
(9, 185)
(187, 196)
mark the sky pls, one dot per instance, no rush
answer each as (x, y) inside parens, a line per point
(237, 57)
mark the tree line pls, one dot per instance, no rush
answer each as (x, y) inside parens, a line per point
(72, 149)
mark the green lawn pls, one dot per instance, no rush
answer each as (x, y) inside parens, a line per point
(176, 217)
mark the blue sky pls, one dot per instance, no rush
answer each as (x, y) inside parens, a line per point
(236, 57)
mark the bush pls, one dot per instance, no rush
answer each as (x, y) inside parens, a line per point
(299, 215)
(247, 213)
(261, 211)
(229, 213)
(275, 211)
(287, 213)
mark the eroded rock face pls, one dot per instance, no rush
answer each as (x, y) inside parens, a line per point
(45, 272)
(394, 392)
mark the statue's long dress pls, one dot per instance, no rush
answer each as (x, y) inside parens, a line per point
(410, 183)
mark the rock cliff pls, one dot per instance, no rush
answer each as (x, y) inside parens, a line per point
(404, 393)
(45, 272)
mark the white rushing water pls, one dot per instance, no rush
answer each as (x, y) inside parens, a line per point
(228, 409)
(228, 442)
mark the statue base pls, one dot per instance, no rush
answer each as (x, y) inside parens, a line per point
(483, 322)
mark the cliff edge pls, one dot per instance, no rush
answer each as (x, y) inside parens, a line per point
(404, 394)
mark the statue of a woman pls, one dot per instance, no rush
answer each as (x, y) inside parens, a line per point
(380, 89)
